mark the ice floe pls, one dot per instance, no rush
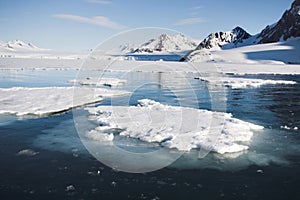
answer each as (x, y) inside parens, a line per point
(289, 128)
(50, 100)
(235, 82)
(27, 152)
(111, 82)
(173, 127)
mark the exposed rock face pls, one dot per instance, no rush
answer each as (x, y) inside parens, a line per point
(217, 40)
(288, 26)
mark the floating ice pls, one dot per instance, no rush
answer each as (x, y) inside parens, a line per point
(49, 100)
(289, 128)
(173, 127)
(285, 127)
(70, 188)
(111, 82)
(243, 82)
(27, 152)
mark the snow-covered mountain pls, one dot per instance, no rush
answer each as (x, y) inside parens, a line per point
(167, 44)
(21, 49)
(18, 45)
(221, 39)
(287, 27)
(217, 41)
(286, 52)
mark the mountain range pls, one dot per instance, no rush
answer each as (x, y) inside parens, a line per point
(287, 27)
(18, 45)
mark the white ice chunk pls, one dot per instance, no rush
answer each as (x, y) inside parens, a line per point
(174, 127)
(100, 137)
(27, 152)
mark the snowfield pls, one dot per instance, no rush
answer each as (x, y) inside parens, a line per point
(49, 100)
(173, 127)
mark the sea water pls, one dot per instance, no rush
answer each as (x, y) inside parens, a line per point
(44, 158)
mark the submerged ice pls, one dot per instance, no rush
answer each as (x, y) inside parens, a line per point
(172, 126)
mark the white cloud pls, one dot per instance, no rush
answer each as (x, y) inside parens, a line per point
(103, 2)
(190, 21)
(97, 20)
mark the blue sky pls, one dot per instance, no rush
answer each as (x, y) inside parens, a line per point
(78, 25)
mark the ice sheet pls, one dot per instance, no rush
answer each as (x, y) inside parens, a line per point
(173, 127)
(49, 100)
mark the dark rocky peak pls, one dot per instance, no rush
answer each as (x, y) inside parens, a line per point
(288, 26)
(218, 39)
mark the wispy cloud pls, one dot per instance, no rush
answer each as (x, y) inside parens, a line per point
(97, 20)
(197, 8)
(103, 2)
(189, 21)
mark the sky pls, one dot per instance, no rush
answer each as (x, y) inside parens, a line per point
(79, 25)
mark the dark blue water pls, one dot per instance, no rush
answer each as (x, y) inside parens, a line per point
(62, 161)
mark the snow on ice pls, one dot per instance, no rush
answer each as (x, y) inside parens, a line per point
(173, 127)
